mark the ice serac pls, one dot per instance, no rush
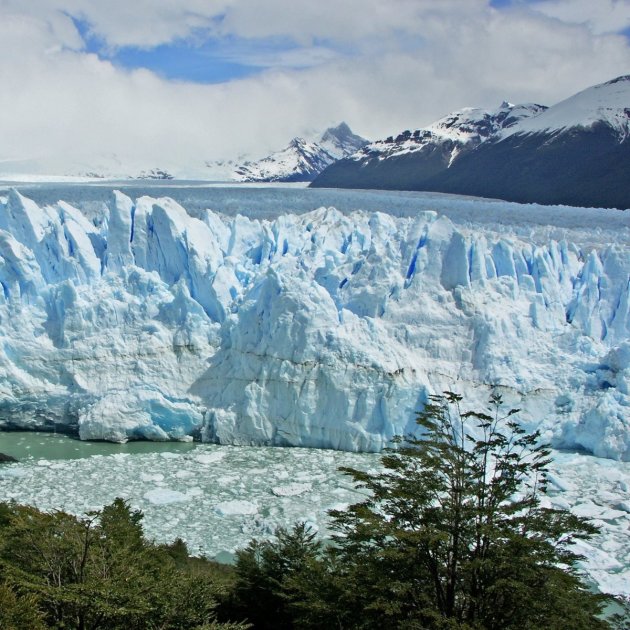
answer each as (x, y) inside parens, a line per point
(319, 330)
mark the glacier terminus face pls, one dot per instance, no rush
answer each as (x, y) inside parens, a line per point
(321, 329)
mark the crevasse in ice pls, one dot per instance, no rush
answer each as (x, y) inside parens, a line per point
(318, 330)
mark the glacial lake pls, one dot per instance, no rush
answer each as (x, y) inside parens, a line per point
(217, 498)
(35, 445)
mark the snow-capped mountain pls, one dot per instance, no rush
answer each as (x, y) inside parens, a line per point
(414, 156)
(575, 152)
(447, 138)
(340, 142)
(319, 330)
(605, 104)
(301, 160)
(221, 170)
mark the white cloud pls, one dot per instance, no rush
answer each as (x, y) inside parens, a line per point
(602, 16)
(381, 65)
(147, 23)
(277, 55)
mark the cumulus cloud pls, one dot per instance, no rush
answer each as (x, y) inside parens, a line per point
(381, 65)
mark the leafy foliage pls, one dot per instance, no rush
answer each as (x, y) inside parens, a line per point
(18, 611)
(98, 572)
(274, 580)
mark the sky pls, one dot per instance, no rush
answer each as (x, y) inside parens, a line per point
(130, 84)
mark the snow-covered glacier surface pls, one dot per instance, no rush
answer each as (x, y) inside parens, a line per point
(321, 329)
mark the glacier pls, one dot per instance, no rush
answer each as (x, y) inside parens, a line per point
(324, 329)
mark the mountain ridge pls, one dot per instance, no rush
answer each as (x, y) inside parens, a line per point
(574, 153)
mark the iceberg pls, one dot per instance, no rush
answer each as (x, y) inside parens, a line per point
(323, 329)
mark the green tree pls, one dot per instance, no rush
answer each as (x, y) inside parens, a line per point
(454, 536)
(99, 572)
(19, 611)
(275, 580)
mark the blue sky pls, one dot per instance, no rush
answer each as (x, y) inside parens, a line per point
(204, 57)
(213, 60)
(181, 60)
(198, 59)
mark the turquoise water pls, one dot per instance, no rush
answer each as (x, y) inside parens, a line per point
(30, 445)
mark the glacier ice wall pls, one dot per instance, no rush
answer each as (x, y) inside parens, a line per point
(321, 330)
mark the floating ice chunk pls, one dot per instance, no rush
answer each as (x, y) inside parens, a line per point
(559, 483)
(152, 477)
(13, 472)
(227, 480)
(559, 503)
(234, 508)
(588, 510)
(291, 489)
(340, 507)
(210, 458)
(613, 515)
(617, 583)
(596, 557)
(164, 496)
